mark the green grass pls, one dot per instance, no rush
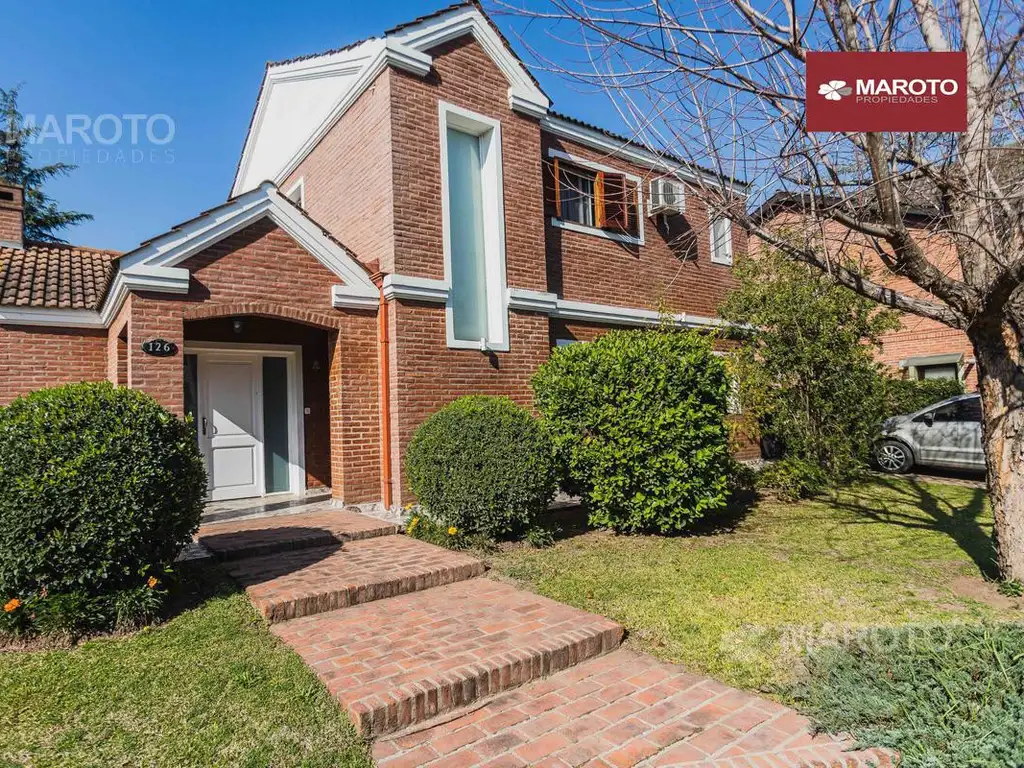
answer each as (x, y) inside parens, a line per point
(212, 687)
(743, 604)
(947, 696)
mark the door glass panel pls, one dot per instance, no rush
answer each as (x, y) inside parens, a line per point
(191, 368)
(275, 423)
(466, 216)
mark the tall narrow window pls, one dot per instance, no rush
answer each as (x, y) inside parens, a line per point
(275, 424)
(473, 210)
(721, 241)
(466, 211)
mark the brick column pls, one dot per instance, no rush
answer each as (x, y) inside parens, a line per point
(161, 377)
(355, 415)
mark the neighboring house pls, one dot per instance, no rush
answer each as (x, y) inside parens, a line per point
(920, 348)
(410, 222)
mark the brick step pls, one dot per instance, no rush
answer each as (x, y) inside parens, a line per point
(393, 663)
(624, 709)
(304, 582)
(253, 537)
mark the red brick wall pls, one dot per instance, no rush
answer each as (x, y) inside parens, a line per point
(347, 177)
(315, 385)
(672, 270)
(917, 336)
(117, 349)
(425, 373)
(465, 76)
(34, 358)
(12, 219)
(262, 271)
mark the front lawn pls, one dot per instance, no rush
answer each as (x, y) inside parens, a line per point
(742, 604)
(212, 687)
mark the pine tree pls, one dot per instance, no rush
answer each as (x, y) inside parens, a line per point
(43, 219)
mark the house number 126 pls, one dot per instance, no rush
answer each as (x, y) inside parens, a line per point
(159, 347)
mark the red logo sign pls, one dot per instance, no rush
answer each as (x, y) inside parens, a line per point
(909, 92)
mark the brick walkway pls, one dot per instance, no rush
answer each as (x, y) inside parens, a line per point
(622, 709)
(310, 581)
(447, 669)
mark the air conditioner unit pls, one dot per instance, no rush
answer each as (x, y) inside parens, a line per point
(667, 196)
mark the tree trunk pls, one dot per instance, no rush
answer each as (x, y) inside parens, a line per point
(1001, 382)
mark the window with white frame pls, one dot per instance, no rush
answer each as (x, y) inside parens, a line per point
(590, 197)
(721, 241)
(474, 230)
(576, 195)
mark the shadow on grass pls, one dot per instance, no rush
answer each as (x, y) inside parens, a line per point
(934, 513)
(195, 583)
(569, 522)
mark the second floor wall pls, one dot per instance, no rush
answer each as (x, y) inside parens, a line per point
(389, 183)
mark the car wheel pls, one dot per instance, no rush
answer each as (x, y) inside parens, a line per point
(894, 457)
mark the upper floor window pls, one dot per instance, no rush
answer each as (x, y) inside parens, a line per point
(588, 197)
(721, 241)
(474, 230)
(576, 196)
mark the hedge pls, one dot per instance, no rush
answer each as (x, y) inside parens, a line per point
(638, 422)
(482, 465)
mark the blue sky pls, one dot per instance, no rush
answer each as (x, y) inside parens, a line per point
(198, 62)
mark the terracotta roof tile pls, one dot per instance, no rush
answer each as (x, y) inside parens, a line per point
(53, 275)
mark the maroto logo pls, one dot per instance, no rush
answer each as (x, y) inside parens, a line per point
(834, 90)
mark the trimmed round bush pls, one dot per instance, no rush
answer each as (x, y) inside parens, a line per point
(483, 465)
(100, 488)
(638, 423)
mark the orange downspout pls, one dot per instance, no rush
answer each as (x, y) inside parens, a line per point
(385, 399)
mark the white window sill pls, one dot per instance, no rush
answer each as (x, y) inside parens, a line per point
(619, 237)
(722, 262)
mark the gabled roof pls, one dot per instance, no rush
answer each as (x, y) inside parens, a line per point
(55, 275)
(37, 298)
(301, 99)
(154, 265)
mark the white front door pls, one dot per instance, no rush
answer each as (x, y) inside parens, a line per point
(231, 424)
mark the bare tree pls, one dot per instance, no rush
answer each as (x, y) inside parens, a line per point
(721, 84)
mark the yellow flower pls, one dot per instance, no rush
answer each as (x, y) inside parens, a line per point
(409, 505)
(11, 605)
(413, 523)
(152, 582)
(452, 530)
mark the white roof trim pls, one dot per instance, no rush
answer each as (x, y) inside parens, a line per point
(606, 314)
(414, 288)
(156, 261)
(50, 317)
(405, 50)
(523, 93)
(154, 266)
(641, 156)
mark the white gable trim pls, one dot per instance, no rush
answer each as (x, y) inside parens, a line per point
(404, 50)
(154, 266)
(523, 93)
(157, 260)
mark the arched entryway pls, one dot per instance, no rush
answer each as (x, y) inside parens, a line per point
(258, 389)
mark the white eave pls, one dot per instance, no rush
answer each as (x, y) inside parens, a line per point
(301, 101)
(154, 266)
(633, 152)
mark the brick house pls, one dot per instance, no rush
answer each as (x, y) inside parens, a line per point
(410, 221)
(921, 348)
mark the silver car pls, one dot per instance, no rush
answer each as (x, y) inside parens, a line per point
(947, 434)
